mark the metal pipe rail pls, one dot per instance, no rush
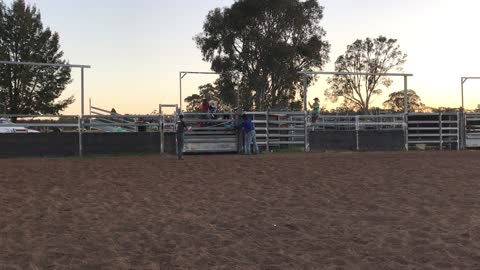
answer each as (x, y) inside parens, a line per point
(36, 116)
(37, 125)
(437, 129)
(122, 125)
(99, 109)
(278, 129)
(361, 122)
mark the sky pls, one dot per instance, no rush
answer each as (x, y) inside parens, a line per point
(136, 48)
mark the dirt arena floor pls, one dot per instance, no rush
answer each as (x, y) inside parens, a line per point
(279, 211)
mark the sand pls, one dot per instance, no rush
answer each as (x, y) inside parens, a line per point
(279, 211)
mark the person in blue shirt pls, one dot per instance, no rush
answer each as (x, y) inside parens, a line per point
(180, 137)
(250, 135)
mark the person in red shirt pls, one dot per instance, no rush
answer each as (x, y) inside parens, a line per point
(204, 110)
(204, 106)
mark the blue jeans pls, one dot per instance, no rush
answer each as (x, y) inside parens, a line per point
(180, 143)
(251, 138)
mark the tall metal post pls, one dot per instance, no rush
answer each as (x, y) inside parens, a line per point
(82, 68)
(464, 113)
(460, 130)
(82, 91)
(180, 76)
(305, 109)
(405, 109)
(405, 94)
(305, 90)
(80, 121)
(463, 80)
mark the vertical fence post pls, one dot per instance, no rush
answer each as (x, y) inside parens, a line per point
(463, 81)
(161, 129)
(462, 129)
(177, 115)
(440, 130)
(405, 94)
(80, 143)
(459, 130)
(305, 110)
(267, 129)
(357, 129)
(180, 77)
(80, 119)
(306, 131)
(405, 130)
(305, 92)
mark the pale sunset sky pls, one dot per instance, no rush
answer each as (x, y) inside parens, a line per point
(136, 48)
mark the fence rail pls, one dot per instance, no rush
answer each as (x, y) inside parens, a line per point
(440, 130)
(216, 133)
(359, 122)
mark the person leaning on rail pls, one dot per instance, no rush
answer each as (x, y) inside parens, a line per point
(250, 135)
(238, 112)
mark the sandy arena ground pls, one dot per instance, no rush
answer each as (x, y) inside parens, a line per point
(281, 211)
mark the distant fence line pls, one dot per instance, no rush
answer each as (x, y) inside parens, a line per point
(111, 134)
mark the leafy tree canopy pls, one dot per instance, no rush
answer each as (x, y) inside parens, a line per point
(378, 55)
(23, 38)
(396, 101)
(259, 47)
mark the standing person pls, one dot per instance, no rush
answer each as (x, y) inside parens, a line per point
(204, 110)
(316, 109)
(250, 135)
(181, 127)
(240, 133)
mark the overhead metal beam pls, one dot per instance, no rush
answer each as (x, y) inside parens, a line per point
(404, 75)
(82, 89)
(43, 64)
(199, 72)
(354, 73)
(182, 75)
(464, 79)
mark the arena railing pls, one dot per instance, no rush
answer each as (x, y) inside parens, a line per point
(74, 123)
(280, 128)
(440, 130)
(210, 132)
(274, 128)
(122, 123)
(359, 122)
(36, 123)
